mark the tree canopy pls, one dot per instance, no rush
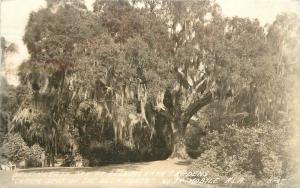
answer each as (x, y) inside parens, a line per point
(138, 73)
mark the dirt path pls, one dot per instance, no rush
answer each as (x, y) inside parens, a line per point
(142, 175)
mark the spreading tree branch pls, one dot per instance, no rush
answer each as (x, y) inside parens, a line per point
(196, 105)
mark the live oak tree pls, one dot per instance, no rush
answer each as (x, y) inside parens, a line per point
(209, 60)
(50, 38)
(140, 65)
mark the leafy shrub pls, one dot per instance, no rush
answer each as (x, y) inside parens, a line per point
(14, 148)
(75, 160)
(256, 151)
(34, 156)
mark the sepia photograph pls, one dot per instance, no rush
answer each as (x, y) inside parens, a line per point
(150, 93)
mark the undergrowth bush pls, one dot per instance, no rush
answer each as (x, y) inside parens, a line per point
(14, 149)
(34, 156)
(258, 152)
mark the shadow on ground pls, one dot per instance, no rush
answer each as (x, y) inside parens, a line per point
(106, 168)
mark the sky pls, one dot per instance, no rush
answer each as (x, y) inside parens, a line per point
(15, 14)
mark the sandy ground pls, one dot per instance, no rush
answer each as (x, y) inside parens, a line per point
(159, 174)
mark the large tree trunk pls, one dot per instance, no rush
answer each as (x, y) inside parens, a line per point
(179, 148)
(178, 143)
(179, 120)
